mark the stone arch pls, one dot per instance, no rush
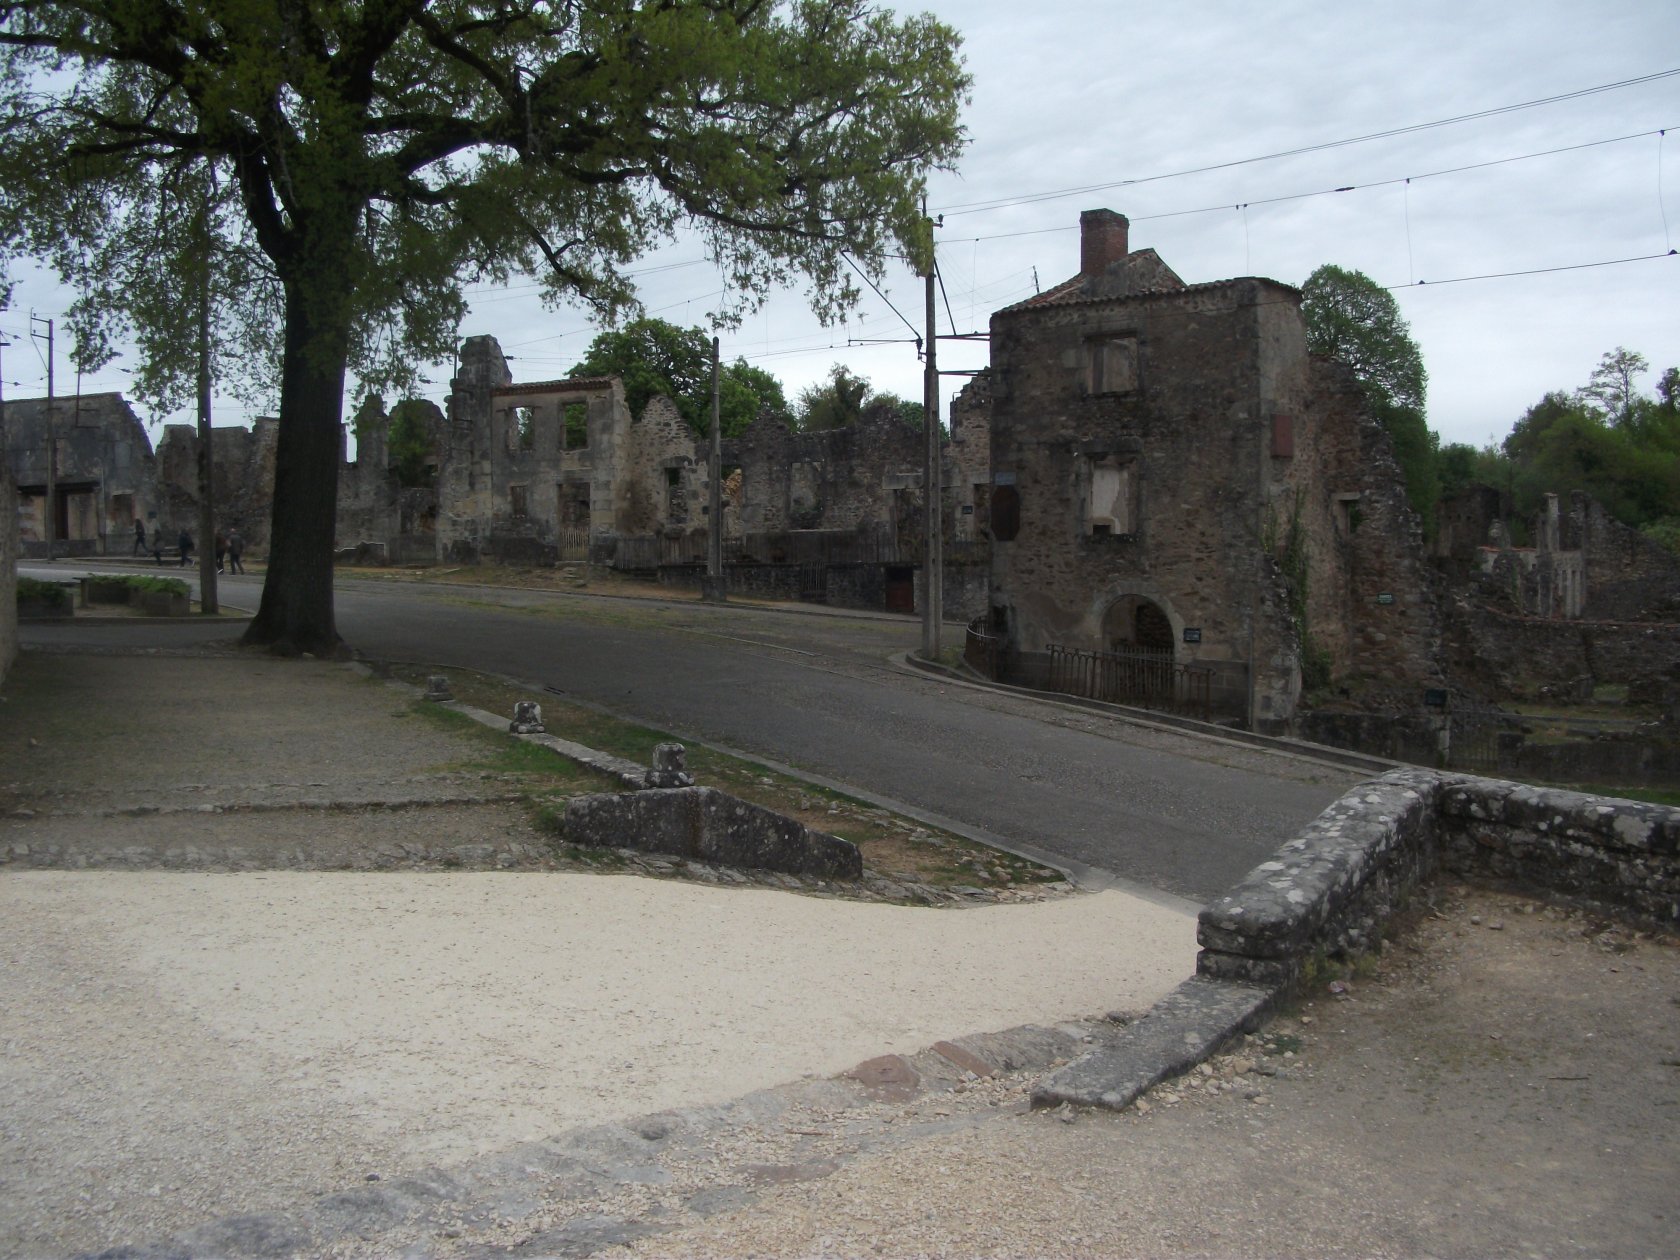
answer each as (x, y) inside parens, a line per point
(1137, 623)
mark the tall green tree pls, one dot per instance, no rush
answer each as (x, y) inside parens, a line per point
(1611, 386)
(841, 400)
(655, 358)
(385, 152)
(1351, 317)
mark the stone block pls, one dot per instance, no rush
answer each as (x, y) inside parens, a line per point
(706, 825)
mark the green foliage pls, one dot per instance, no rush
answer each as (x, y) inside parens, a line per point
(836, 403)
(842, 399)
(1611, 385)
(409, 443)
(655, 358)
(34, 591)
(159, 586)
(1564, 443)
(1294, 558)
(1352, 318)
(350, 167)
(1665, 531)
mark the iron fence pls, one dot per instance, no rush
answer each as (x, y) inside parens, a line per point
(1148, 680)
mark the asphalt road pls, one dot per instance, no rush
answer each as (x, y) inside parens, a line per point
(1178, 814)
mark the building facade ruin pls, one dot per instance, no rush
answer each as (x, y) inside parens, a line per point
(1175, 478)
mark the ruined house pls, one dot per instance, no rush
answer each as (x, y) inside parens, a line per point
(1177, 482)
(101, 473)
(553, 471)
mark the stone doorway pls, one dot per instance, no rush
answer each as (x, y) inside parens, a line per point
(1137, 625)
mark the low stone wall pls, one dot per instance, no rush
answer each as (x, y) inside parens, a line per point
(1331, 888)
(707, 825)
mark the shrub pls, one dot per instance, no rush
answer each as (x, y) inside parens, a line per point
(167, 586)
(34, 591)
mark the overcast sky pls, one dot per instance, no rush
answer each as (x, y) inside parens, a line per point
(1110, 103)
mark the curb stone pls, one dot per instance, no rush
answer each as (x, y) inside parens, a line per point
(1190, 1024)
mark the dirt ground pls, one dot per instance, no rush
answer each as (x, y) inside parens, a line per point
(1506, 1082)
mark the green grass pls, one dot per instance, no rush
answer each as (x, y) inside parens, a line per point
(893, 846)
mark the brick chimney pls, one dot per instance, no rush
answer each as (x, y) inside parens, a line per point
(1102, 240)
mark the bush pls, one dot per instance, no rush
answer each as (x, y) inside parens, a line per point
(167, 586)
(34, 591)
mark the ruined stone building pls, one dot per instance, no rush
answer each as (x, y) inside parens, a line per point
(1174, 477)
(101, 468)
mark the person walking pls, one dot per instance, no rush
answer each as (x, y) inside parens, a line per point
(157, 544)
(139, 537)
(221, 549)
(185, 541)
(235, 549)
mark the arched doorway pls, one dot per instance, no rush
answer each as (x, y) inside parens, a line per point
(1134, 624)
(1137, 661)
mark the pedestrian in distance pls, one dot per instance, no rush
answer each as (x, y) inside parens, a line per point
(221, 550)
(157, 544)
(139, 537)
(235, 549)
(185, 541)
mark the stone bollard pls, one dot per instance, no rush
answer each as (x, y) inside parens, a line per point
(437, 687)
(670, 767)
(527, 718)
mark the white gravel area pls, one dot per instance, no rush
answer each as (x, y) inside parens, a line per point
(182, 1046)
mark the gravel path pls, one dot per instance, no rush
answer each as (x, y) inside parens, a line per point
(184, 1046)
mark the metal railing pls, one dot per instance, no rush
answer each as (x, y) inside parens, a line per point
(1147, 680)
(981, 650)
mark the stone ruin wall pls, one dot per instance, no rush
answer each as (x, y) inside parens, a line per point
(242, 463)
(1194, 428)
(8, 570)
(968, 480)
(1628, 576)
(1365, 543)
(105, 471)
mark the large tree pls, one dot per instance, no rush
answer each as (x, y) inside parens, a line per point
(653, 358)
(1353, 318)
(382, 153)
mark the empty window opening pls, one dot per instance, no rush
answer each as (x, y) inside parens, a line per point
(576, 426)
(1111, 498)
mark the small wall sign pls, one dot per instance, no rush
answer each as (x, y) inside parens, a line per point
(1385, 598)
(1192, 634)
(1435, 698)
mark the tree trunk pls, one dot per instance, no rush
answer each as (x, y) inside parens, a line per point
(296, 613)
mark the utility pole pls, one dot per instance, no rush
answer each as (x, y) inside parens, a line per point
(207, 602)
(713, 589)
(52, 440)
(932, 507)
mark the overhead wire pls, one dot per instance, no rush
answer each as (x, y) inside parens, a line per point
(1003, 203)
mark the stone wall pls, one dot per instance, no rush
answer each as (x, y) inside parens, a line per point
(8, 571)
(1331, 889)
(1170, 464)
(1516, 656)
(1629, 577)
(242, 480)
(104, 471)
(706, 825)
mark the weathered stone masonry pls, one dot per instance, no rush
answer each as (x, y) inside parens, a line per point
(1153, 446)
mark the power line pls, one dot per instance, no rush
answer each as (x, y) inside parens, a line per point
(1003, 203)
(1339, 189)
(1532, 271)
